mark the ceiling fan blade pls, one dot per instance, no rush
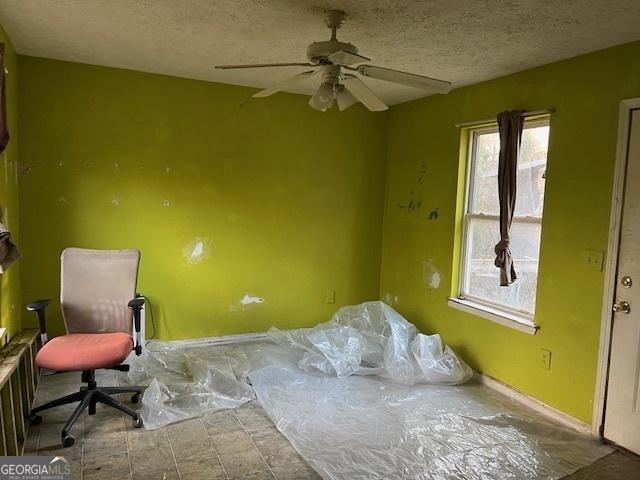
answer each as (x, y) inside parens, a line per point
(404, 78)
(344, 98)
(359, 90)
(263, 65)
(346, 58)
(288, 83)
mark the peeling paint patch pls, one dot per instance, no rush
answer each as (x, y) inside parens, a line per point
(435, 280)
(197, 250)
(431, 276)
(434, 214)
(249, 300)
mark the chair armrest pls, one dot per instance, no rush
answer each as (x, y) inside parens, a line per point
(39, 307)
(136, 305)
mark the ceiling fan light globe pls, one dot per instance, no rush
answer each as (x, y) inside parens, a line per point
(323, 98)
(316, 106)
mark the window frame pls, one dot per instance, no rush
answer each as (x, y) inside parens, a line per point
(464, 300)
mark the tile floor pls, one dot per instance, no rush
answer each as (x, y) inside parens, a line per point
(234, 444)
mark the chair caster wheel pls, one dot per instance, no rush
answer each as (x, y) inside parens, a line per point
(135, 398)
(35, 420)
(68, 441)
(137, 422)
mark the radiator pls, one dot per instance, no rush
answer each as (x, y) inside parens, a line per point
(19, 378)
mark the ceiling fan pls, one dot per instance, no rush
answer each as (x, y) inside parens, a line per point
(340, 64)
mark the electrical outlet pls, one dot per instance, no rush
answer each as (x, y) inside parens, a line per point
(593, 259)
(545, 359)
(330, 297)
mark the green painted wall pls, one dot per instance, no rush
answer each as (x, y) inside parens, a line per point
(288, 202)
(423, 141)
(10, 301)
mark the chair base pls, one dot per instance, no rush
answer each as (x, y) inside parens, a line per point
(89, 397)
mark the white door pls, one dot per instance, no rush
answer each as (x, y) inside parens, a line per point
(622, 420)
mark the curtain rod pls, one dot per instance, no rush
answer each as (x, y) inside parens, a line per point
(531, 113)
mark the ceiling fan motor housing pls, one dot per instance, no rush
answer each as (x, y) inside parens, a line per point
(331, 74)
(318, 52)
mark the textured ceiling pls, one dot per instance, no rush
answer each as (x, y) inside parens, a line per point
(462, 41)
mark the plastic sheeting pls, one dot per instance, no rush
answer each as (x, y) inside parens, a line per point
(362, 428)
(364, 396)
(373, 339)
(188, 382)
(367, 339)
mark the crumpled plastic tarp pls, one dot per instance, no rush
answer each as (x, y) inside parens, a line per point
(188, 382)
(366, 339)
(364, 396)
(373, 339)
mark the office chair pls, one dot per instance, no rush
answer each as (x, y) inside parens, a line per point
(99, 302)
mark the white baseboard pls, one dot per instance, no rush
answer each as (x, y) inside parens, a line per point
(536, 405)
(222, 340)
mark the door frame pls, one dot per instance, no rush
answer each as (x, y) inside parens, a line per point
(611, 263)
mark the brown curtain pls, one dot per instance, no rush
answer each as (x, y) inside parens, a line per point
(510, 126)
(9, 253)
(4, 129)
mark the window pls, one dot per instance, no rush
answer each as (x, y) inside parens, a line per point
(480, 282)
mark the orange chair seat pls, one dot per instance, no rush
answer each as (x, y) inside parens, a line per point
(85, 351)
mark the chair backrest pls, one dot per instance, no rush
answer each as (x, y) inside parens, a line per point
(96, 286)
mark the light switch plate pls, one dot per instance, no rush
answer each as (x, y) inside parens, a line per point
(330, 297)
(545, 359)
(593, 259)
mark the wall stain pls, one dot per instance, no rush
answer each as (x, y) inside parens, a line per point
(422, 172)
(412, 204)
(23, 167)
(390, 299)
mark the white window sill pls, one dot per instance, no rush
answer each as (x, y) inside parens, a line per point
(495, 315)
